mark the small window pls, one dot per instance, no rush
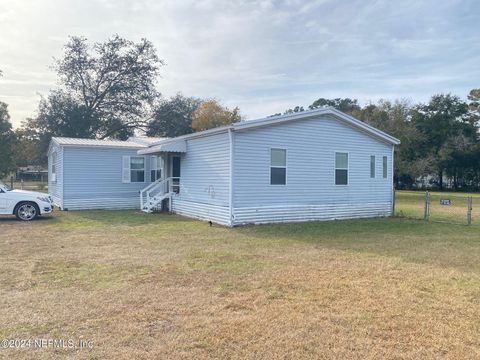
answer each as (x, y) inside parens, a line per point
(341, 168)
(278, 167)
(54, 167)
(137, 169)
(385, 171)
(156, 165)
(372, 166)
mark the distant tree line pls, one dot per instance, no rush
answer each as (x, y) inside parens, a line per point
(108, 90)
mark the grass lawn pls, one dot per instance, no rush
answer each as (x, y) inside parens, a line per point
(161, 287)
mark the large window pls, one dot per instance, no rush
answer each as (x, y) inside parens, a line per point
(372, 166)
(137, 169)
(341, 168)
(385, 171)
(278, 167)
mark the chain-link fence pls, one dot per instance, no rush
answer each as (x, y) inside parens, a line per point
(31, 185)
(454, 208)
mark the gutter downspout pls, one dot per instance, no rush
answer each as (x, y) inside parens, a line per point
(230, 187)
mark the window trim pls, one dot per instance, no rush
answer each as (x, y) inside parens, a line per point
(156, 168)
(374, 158)
(54, 167)
(335, 167)
(279, 167)
(144, 169)
(385, 167)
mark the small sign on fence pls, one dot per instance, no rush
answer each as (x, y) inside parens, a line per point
(445, 202)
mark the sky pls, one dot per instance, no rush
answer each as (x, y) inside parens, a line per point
(262, 55)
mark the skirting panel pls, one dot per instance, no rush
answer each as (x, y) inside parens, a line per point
(102, 203)
(292, 213)
(215, 213)
(57, 201)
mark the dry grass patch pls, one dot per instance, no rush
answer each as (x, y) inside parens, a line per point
(159, 286)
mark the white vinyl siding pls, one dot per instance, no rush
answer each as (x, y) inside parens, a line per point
(204, 179)
(341, 168)
(205, 169)
(100, 178)
(310, 192)
(372, 166)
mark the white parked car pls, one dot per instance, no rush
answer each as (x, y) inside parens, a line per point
(25, 205)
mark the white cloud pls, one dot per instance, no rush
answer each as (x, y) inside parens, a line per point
(264, 56)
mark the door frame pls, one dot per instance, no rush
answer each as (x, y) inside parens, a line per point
(176, 182)
(171, 164)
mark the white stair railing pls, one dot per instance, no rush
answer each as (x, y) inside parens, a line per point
(156, 192)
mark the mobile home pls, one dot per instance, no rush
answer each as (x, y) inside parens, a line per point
(314, 165)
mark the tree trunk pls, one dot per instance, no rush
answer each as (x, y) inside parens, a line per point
(455, 180)
(440, 179)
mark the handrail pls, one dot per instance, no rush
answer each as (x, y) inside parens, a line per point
(165, 184)
(152, 184)
(146, 189)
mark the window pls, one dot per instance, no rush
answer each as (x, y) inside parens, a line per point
(372, 166)
(341, 168)
(278, 167)
(54, 167)
(385, 171)
(137, 169)
(156, 165)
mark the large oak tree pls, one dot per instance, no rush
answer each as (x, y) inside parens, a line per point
(106, 90)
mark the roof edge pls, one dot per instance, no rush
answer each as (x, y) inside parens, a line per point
(267, 121)
(127, 144)
(313, 113)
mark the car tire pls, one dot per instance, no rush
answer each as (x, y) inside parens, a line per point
(27, 211)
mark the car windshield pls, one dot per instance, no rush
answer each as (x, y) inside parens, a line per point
(3, 186)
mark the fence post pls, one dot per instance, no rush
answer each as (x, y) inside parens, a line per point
(426, 215)
(393, 201)
(469, 210)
